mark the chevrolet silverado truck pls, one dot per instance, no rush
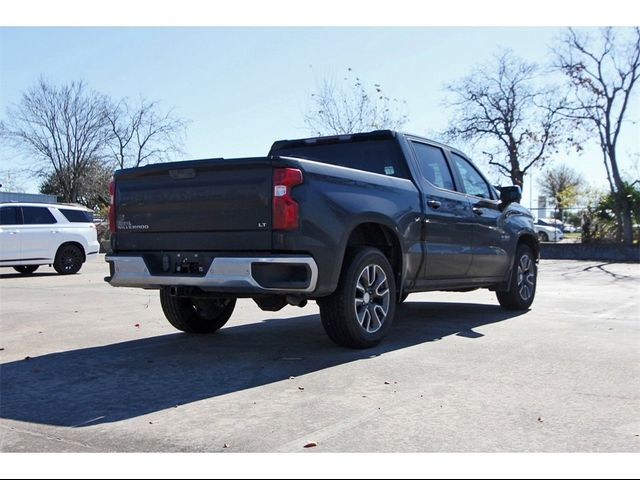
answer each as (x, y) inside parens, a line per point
(355, 222)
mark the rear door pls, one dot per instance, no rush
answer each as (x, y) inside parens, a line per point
(448, 218)
(490, 258)
(10, 240)
(37, 233)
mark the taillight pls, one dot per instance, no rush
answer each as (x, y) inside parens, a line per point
(112, 206)
(285, 208)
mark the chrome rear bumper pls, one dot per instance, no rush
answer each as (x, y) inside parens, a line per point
(224, 274)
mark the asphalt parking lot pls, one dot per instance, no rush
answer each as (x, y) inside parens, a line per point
(85, 367)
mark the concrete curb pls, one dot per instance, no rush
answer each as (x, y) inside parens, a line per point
(580, 251)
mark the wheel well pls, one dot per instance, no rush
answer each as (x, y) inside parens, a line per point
(382, 238)
(532, 242)
(75, 244)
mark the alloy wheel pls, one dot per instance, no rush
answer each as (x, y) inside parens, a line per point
(526, 277)
(372, 298)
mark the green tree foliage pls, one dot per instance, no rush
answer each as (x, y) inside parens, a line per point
(600, 220)
(602, 72)
(563, 186)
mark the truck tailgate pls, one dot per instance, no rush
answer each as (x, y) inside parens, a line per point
(213, 204)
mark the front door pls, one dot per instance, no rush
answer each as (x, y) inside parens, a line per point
(491, 240)
(448, 218)
(10, 234)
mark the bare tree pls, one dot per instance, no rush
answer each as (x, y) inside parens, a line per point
(602, 73)
(141, 134)
(563, 185)
(351, 107)
(64, 127)
(10, 181)
(500, 108)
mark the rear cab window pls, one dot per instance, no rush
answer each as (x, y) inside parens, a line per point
(77, 216)
(382, 156)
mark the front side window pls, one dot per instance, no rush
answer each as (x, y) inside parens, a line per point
(473, 183)
(433, 165)
(37, 216)
(9, 216)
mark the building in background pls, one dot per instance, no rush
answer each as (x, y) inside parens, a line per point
(542, 207)
(27, 197)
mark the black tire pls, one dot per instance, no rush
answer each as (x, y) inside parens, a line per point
(524, 278)
(543, 237)
(196, 315)
(26, 269)
(69, 259)
(353, 298)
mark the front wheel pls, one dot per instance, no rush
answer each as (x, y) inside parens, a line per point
(196, 315)
(522, 287)
(26, 269)
(361, 310)
(543, 237)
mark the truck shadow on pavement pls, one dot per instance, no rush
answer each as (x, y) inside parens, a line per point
(125, 380)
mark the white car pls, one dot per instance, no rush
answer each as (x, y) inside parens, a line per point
(34, 234)
(547, 232)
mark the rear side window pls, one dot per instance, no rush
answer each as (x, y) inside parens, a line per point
(376, 156)
(77, 216)
(9, 216)
(433, 165)
(37, 216)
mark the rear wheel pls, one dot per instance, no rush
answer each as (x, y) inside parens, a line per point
(522, 288)
(26, 269)
(69, 259)
(361, 310)
(196, 315)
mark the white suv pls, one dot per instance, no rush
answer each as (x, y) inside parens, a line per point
(33, 234)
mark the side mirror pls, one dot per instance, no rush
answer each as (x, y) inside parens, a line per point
(510, 194)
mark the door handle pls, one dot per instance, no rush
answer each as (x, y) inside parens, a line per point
(13, 232)
(477, 211)
(434, 204)
(54, 231)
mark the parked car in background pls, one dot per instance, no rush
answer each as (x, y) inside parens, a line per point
(34, 234)
(547, 232)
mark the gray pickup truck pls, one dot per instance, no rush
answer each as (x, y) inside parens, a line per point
(354, 222)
